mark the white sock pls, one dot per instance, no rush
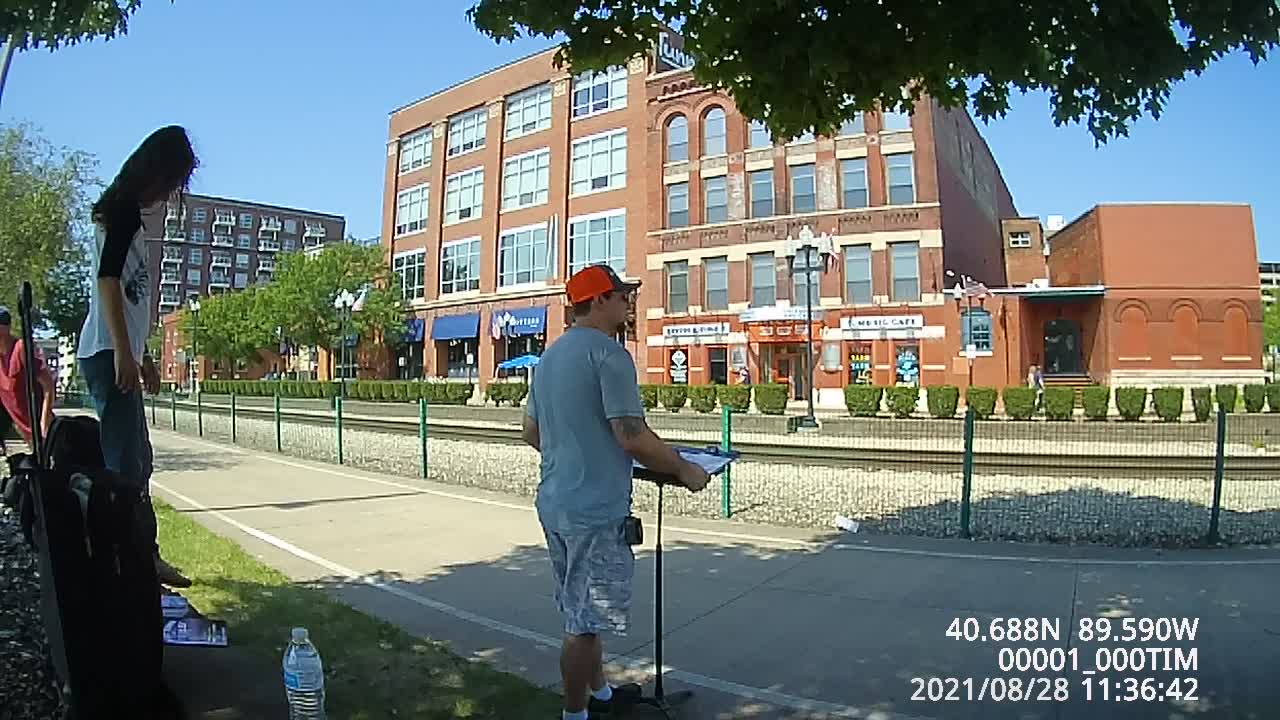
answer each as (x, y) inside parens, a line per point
(580, 715)
(604, 694)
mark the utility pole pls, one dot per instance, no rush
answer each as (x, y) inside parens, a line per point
(10, 46)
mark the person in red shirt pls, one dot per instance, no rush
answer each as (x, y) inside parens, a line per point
(13, 381)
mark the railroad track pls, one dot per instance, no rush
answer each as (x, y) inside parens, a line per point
(824, 456)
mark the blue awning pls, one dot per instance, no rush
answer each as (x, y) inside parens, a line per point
(455, 327)
(520, 363)
(414, 329)
(521, 321)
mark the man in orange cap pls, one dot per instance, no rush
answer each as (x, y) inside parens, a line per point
(585, 416)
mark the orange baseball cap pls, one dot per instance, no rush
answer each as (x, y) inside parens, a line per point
(595, 280)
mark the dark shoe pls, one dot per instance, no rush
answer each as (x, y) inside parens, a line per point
(624, 696)
(169, 575)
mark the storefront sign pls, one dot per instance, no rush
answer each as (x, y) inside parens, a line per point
(671, 57)
(679, 367)
(695, 330)
(773, 313)
(782, 331)
(860, 364)
(880, 323)
(522, 321)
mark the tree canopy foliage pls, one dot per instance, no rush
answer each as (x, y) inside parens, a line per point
(801, 65)
(44, 199)
(42, 23)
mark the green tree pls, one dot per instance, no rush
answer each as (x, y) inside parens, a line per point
(67, 293)
(1271, 318)
(44, 206)
(41, 23)
(231, 328)
(797, 64)
(305, 286)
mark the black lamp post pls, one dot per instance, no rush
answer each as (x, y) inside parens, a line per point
(808, 255)
(966, 289)
(343, 304)
(195, 345)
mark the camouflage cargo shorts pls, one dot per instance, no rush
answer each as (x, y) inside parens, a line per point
(593, 571)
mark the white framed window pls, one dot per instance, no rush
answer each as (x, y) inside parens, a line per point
(525, 179)
(463, 195)
(599, 163)
(244, 241)
(857, 274)
(764, 280)
(193, 276)
(195, 256)
(677, 277)
(246, 221)
(466, 131)
(411, 209)
(1020, 239)
(242, 260)
(415, 150)
(714, 133)
(715, 283)
(853, 183)
(197, 235)
(410, 271)
(199, 215)
(460, 266)
(804, 191)
(805, 137)
(528, 111)
(904, 265)
(677, 139)
(678, 205)
(855, 126)
(760, 135)
(715, 200)
(290, 244)
(523, 256)
(900, 172)
(762, 193)
(893, 120)
(240, 280)
(598, 239)
(597, 92)
(290, 226)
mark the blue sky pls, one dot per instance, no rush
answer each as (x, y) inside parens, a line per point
(288, 101)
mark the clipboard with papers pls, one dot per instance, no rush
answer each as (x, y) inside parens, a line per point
(711, 459)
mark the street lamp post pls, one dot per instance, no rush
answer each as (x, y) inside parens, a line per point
(966, 288)
(343, 304)
(808, 255)
(195, 345)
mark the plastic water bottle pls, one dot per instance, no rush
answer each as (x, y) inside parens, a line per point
(303, 678)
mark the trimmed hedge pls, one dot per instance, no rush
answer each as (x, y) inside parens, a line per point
(942, 400)
(435, 393)
(649, 396)
(1226, 397)
(1059, 403)
(512, 393)
(1131, 402)
(902, 400)
(1097, 401)
(863, 400)
(1255, 398)
(771, 399)
(673, 397)
(1167, 402)
(1202, 402)
(1273, 397)
(1020, 402)
(269, 388)
(735, 397)
(702, 398)
(982, 400)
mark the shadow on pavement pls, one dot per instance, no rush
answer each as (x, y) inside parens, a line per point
(192, 459)
(299, 504)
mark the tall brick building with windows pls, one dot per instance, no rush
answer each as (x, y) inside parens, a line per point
(501, 186)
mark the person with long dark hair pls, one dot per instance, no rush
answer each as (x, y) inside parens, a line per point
(112, 353)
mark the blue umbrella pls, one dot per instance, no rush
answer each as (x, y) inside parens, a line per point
(519, 363)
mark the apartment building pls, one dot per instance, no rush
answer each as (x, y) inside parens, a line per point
(497, 189)
(210, 245)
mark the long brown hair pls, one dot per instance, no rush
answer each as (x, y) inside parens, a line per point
(161, 166)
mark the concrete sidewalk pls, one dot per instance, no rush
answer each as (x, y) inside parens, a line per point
(760, 622)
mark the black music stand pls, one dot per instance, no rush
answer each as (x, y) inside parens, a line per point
(664, 702)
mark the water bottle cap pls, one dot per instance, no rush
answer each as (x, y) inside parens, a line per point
(299, 635)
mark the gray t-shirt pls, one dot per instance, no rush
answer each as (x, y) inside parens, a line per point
(584, 380)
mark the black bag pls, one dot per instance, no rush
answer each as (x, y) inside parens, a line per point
(100, 597)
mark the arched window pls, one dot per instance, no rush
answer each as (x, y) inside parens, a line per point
(1186, 332)
(975, 328)
(713, 133)
(678, 139)
(1235, 329)
(1133, 342)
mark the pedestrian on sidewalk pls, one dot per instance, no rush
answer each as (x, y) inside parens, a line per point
(13, 384)
(112, 353)
(585, 416)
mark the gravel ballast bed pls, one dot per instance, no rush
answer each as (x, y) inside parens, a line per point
(30, 688)
(1030, 506)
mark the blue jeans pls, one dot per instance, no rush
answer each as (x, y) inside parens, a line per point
(126, 443)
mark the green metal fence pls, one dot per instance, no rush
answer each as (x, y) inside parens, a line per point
(1122, 483)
